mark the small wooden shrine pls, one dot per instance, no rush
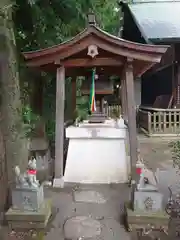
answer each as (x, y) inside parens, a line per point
(94, 47)
(103, 87)
(159, 113)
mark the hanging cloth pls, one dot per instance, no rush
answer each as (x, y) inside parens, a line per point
(92, 101)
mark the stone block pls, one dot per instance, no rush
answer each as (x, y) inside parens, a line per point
(148, 201)
(29, 220)
(27, 199)
(38, 144)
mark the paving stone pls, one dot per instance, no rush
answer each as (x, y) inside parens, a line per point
(89, 197)
(81, 227)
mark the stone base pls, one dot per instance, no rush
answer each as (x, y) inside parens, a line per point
(27, 199)
(139, 219)
(58, 183)
(29, 220)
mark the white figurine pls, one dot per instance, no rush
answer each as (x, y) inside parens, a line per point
(31, 173)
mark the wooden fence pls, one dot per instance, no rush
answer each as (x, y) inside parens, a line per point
(109, 109)
(157, 122)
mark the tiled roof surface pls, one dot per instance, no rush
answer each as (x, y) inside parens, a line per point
(160, 20)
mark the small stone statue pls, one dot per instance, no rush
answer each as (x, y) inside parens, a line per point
(31, 173)
(28, 179)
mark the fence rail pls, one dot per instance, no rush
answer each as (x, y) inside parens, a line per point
(109, 109)
(159, 121)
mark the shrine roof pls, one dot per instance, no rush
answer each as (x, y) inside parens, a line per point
(112, 52)
(99, 33)
(156, 20)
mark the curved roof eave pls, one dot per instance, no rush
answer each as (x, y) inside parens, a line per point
(145, 48)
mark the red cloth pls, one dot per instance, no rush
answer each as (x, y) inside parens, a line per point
(138, 170)
(33, 172)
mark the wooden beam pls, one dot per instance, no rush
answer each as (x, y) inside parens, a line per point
(89, 62)
(131, 111)
(59, 144)
(72, 72)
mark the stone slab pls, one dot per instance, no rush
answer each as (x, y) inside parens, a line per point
(89, 197)
(26, 218)
(81, 227)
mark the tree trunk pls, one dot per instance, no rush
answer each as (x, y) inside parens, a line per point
(12, 125)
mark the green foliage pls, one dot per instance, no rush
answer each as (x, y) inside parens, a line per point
(44, 23)
(175, 147)
(30, 120)
(50, 129)
(51, 22)
(82, 102)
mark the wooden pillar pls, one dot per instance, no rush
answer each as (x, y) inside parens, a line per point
(59, 144)
(131, 112)
(73, 84)
(122, 97)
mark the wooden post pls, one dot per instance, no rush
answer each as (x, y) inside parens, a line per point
(59, 144)
(131, 112)
(122, 97)
(73, 84)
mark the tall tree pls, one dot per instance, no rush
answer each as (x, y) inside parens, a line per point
(12, 125)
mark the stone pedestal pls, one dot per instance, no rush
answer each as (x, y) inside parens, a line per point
(140, 219)
(96, 153)
(29, 220)
(147, 215)
(25, 199)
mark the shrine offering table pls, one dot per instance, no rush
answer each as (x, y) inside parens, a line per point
(96, 154)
